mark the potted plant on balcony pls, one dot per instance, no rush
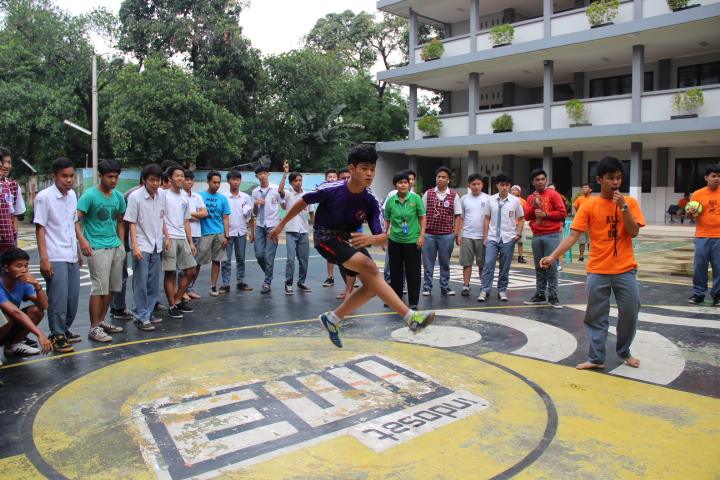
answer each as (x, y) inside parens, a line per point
(432, 50)
(430, 125)
(677, 5)
(602, 12)
(503, 123)
(687, 103)
(502, 35)
(576, 111)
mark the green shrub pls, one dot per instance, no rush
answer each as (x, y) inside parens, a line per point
(677, 4)
(602, 11)
(575, 110)
(432, 50)
(502, 34)
(503, 123)
(689, 100)
(430, 125)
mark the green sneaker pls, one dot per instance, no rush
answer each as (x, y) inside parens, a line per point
(421, 320)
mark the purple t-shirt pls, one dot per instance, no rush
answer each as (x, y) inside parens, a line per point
(343, 211)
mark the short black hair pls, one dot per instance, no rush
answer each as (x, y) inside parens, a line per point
(474, 176)
(536, 172)
(151, 170)
(608, 165)
(213, 173)
(4, 152)
(343, 170)
(712, 169)
(165, 164)
(294, 175)
(61, 163)
(329, 171)
(261, 168)
(400, 176)
(586, 184)
(189, 174)
(172, 169)
(502, 178)
(109, 166)
(233, 174)
(363, 153)
(443, 169)
(13, 255)
(411, 172)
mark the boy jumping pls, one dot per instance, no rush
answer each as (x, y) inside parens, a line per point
(342, 209)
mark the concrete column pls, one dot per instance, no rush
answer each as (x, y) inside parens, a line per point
(636, 158)
(579, 84)
(548, 86)
(412, 112)
(638, 77)
(663, 166)
(637, 10)
(508, 94)
(577, 169)
(473, 162)
(412, 30)
(547, 162)
(664, 80)
(473, 102)
(508, 166)
(547, 16)
(474, 24)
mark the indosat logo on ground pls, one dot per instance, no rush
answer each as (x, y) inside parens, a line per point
(375, 399)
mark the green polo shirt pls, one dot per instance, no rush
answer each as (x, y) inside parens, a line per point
(410, 211)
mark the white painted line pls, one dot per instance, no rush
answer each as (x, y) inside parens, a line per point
(661, 361)
(437, 336)
(664, 319)
(545, 342)
(691, 309)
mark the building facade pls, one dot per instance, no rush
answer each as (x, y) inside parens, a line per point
(626, 73)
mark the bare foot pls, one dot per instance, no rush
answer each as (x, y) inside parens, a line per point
(589, 366)
(632, 362)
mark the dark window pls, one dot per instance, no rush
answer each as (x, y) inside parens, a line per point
(696, 75)
(690, 173)
(646, 182)
(618, 85)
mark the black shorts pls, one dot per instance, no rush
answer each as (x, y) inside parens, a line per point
(15, 328)
(338, 251)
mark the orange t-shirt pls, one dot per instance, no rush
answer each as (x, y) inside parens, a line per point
(579, 201)
(603, 220)
(708, 222)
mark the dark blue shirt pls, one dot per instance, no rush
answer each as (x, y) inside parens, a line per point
(341, 210)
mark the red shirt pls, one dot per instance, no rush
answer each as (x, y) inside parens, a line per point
(551, 203)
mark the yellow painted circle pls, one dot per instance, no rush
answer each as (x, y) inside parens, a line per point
(97, 426)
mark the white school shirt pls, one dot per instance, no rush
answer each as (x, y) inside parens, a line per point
(511, 211)
(474, 210)
(241, 207)
(177, 210)
(269, 214)
(195, 203)
(58, 214)
(299, 224)
(147, 214)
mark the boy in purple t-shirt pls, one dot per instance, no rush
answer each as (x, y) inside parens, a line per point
(342, 209)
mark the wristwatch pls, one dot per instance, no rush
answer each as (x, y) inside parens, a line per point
(624, 208)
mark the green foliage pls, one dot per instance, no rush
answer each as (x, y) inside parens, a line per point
(688, 101)
(502, 34)
(432, 50)
(575, 109)
(677, 4)
(430, 124)
(602, 11)
(503, 123)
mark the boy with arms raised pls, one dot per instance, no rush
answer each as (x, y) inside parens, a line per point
(342, 208)
(612, 221)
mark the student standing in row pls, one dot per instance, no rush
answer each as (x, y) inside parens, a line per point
(215, 229)
(242, 225)
(267, 213)
(584, 240)
(12, 203)
(472, 247)
(197, 213)
(296, 232)
(331, 175)
(517, 191)
(411, 176)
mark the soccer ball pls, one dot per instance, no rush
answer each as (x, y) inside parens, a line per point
(696, 206)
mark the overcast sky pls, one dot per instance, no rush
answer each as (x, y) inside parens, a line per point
(273, 26)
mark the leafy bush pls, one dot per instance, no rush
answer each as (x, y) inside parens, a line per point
(602, 11)
(430, 125)
(575, 110)
(677, 4)
(432, 50)
(502, 34)
(503, 123)
(689, 100)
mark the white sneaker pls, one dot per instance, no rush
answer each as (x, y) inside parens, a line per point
(98, 334)
(426, 293)
(483, 296)
(21, 349)
(110, 328)
(503, 296)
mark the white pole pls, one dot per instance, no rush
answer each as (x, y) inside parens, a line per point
(94, 137)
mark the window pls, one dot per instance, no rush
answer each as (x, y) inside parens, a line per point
(696, 75)
(618, 85)
(690, 173)
(646, 182)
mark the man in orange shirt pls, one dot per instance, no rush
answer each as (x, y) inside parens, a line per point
(707, 237)
(612, 220)
(584, 240)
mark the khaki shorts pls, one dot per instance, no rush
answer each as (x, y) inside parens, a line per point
(179, 256)
(210, 247)
(106, 270)
(472, 250)
(583, 239)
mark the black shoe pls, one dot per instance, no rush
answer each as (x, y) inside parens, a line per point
(242, 286)
(554, 302)
(716, 301)
(413, 307)
(224, 290)
(159, 307)
(304, 288)
(175, 313)
(184, 307)
(521, 259)
(536, 299)
(30, 342)
(71, 337)
(329, 282)
(124, 314)
(60, 344)
(696, 299)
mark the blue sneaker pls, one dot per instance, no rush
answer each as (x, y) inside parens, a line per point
(333, 330)
(421, 320)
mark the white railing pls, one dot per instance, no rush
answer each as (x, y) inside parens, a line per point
(525, 119)
(526, 31)
(657, 106)
(454, 46)
(653, 8)
(576, 21)
(455, 125)
(601, 111)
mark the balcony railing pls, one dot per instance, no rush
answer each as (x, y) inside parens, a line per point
(525, 118)
(453, 125)
(599, 111)
(657, 106)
